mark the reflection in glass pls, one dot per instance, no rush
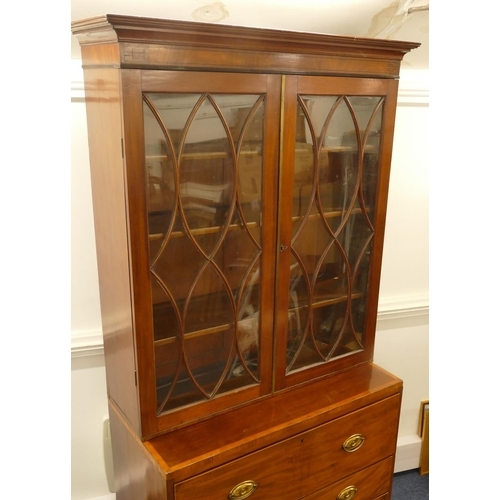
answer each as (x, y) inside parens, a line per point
(203, 169)
(335, 184)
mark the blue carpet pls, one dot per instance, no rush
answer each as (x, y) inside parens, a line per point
(410, 485)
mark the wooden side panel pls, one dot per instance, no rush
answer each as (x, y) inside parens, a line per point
(102, 91)
(133, 133)
(137, 475)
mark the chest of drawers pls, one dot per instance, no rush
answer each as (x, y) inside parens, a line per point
(297, 466)
(342, 447)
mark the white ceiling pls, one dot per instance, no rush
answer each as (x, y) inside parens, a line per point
(397, 20)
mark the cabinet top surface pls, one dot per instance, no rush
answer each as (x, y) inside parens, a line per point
(123, 28)
(291, 412)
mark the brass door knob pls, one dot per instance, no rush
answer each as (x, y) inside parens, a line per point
(347, 493)
(242, 490)
(353, 443)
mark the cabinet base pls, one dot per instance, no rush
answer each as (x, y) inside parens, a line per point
(293, 445)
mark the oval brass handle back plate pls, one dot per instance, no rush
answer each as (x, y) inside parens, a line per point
(242, 490)
(347, 493)
(353, 443)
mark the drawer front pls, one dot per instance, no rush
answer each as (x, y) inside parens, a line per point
(370, 434)
(307, 462)
(369, 484)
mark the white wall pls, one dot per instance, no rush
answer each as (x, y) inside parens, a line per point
(402, 342)
(88, 380)
(88, 409)
(402, 332)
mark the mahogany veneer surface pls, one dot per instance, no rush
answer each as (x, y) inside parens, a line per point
(290, 445)
(265, 422)
(286, 431)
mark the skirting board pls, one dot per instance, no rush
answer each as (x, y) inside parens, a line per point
(408, 453)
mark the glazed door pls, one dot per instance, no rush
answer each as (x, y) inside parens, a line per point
(207, 175)
(337, 140)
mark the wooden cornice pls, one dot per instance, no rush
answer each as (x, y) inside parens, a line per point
(131, 29)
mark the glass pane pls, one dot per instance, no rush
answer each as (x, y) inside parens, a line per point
(335, 182)
(204, 174)
(249, 128)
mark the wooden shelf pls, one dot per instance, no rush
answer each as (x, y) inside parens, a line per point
(335, 300)
(211, 155)
(330, 214)
(250, 225)
(194, 334)
(202, 231)
(227, 326)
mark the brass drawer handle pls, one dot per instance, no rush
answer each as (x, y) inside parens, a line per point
(353, 443)
(347, 493)
(242, 490)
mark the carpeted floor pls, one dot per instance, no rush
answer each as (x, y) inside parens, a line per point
(410, 485)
